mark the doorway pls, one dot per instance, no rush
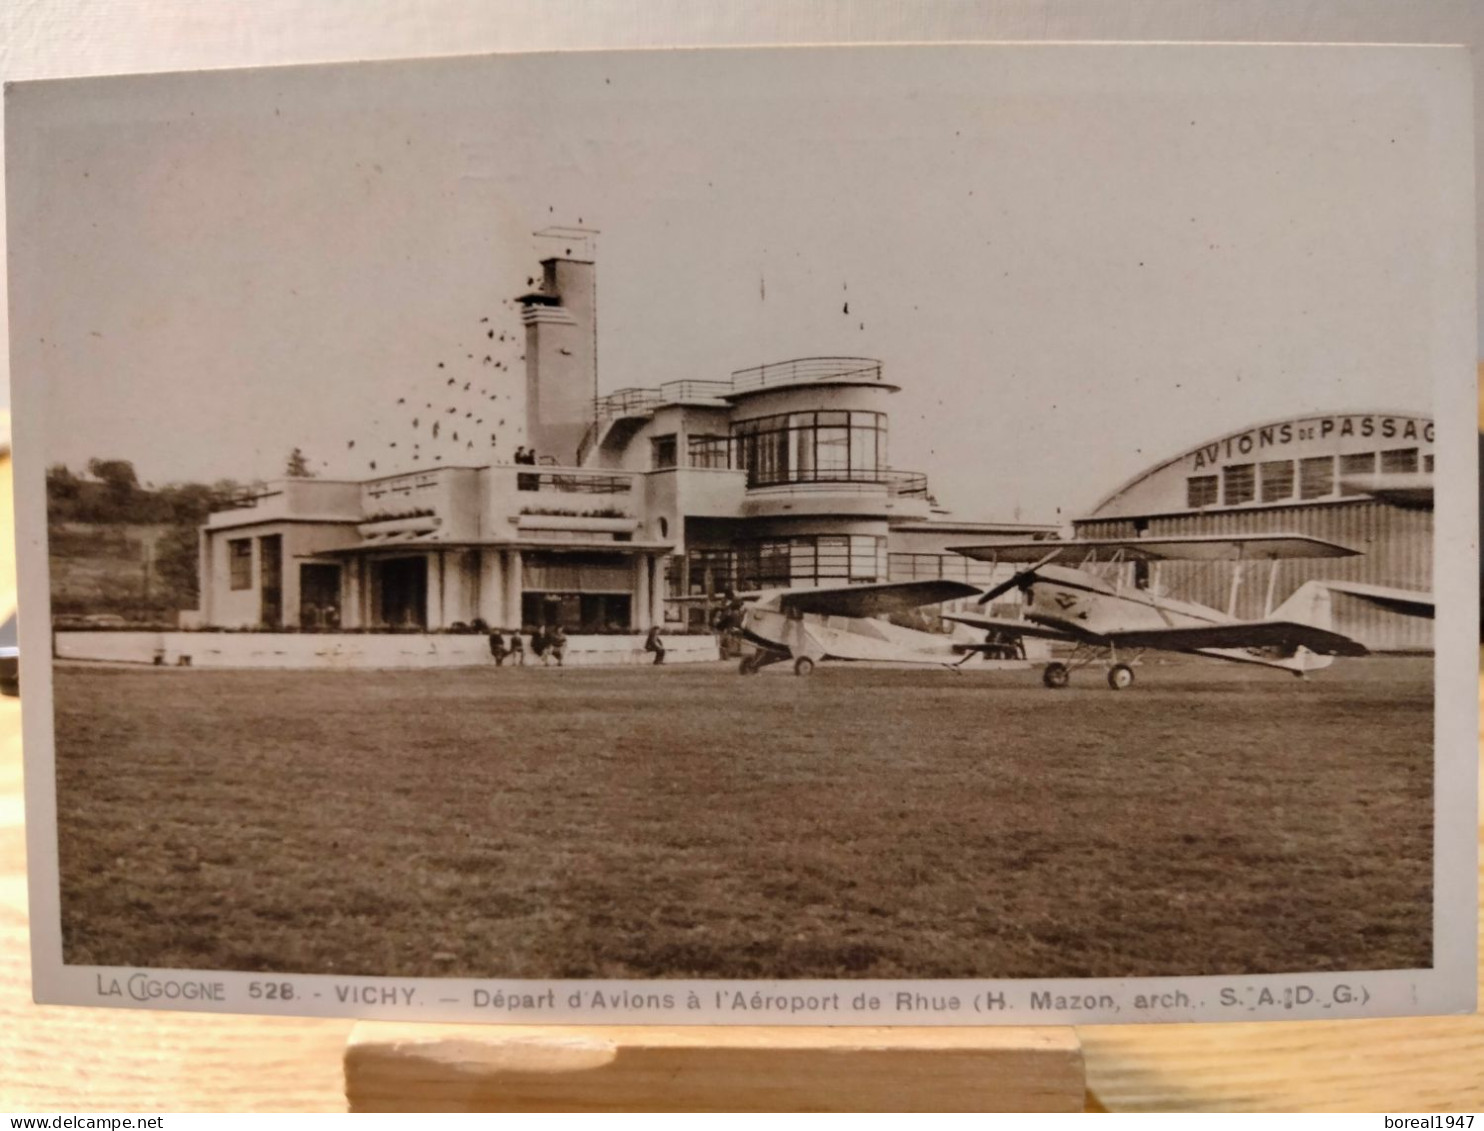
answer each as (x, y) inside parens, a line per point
(404, 593)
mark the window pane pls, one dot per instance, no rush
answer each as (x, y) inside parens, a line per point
(1399, 460)
(1316, 477)
(833, 449)
(1238, 485)
(239, 553)
(802, 442)
(804, 565)
(1277, 480)
(1200, 491)
(834, 556)
(663, 451)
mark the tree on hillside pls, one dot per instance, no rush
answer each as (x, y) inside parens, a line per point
(115, 474)
(298, 465)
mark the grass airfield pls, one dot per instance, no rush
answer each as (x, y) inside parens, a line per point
(686, 822)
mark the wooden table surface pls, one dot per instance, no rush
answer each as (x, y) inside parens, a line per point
(62, 1059)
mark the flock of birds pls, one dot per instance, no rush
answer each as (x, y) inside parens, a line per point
(456, 410)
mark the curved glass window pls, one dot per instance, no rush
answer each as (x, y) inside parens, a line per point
(811, 559)
(812, 447)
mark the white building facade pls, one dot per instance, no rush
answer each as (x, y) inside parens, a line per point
(642, 501)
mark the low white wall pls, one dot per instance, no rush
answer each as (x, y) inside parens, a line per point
(309, 650)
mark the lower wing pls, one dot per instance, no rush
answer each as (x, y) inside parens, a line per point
(1285, 635)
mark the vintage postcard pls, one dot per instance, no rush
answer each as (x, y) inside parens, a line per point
(932, 535)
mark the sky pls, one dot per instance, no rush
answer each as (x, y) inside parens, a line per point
(1076, 261)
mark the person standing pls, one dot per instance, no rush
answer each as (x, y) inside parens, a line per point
(557, 642)
(517, 649)
(653, 643)
(497, 647)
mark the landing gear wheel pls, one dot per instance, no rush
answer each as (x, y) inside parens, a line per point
(748, 666)
(1056, 676)
(803, 665)
(1120, 677)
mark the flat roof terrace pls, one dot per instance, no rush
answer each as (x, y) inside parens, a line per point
(744, 382)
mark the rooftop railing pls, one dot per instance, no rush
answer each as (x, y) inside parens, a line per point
(573, 482)
(805, 369)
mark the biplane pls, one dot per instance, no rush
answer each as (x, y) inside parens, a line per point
(1105, 598)
(847, 622)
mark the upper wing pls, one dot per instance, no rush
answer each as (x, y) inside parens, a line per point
(1191, 548)
(1009, 627)
(874, 600)
(1250, 634)
(1409, 601)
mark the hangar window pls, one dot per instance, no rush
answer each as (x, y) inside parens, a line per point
(1277, 480)
(1238, 484)
(1200, 491)
(1399, 460)
(1316, 477)
(239, 553)
(1354, 465)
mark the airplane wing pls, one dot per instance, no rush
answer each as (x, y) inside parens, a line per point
(874, 600)
(1248, 634)
(1009, 627)
(1190, 548)
(1408, 601)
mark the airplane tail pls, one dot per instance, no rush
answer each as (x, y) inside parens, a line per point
(1309, 604)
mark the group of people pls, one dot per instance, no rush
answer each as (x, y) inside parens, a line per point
(547, 644)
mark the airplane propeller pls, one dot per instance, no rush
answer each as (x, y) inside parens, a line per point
(1019, 580)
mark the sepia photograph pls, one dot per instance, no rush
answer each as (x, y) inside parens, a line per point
(600, 530)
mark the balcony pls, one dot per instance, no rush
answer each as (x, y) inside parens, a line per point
(553, 500)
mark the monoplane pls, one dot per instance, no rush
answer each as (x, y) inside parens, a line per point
(846, 622)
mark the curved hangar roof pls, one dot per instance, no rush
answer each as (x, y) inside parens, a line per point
(1294, 462)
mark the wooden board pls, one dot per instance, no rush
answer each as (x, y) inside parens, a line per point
(394, 1067)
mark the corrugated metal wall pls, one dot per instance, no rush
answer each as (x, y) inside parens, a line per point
(1395, 546)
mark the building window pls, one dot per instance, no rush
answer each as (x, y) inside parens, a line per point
(239, 555)
(1277, 480)
(708, 451)
(1316, 477)
(812, 447)
(1200, 491)
(812, 559)
(1398, 461)
(953, 567)
(1238, 484)
(662, 450)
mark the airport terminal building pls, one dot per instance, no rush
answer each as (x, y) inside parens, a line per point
(1362, 479)
(777, 476)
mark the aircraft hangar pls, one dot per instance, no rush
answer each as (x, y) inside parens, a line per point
(1361, 479)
